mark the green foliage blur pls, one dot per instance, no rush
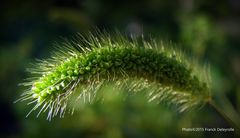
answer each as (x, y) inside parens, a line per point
(207, 30)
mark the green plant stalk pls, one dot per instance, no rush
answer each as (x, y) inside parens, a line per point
(226, 110)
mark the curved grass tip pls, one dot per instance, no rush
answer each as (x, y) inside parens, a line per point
(77, 71)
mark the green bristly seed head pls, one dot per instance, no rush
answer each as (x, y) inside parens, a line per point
(87, 65)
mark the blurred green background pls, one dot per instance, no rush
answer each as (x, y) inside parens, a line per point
(208, 30)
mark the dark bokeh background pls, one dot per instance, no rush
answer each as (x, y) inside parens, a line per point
(209, 30)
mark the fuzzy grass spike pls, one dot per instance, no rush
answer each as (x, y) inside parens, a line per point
(84, 66)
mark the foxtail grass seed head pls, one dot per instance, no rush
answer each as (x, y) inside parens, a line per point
(82, 67)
